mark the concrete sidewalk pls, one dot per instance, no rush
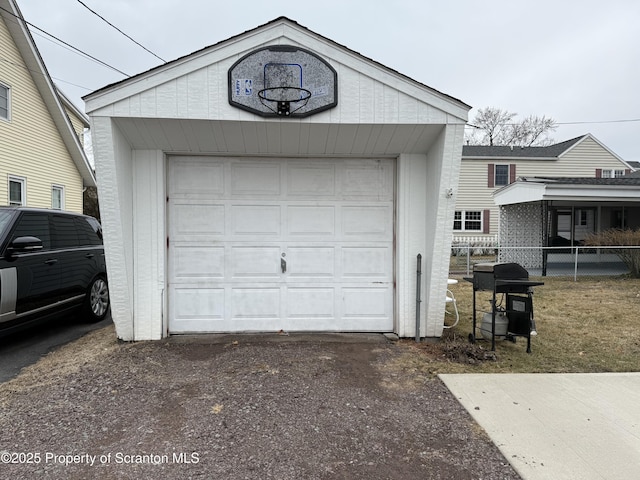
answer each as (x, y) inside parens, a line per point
(558, 426)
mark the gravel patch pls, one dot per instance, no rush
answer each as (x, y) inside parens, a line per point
(244, 407)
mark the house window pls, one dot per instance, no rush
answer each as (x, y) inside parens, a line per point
(17, 195)
(502, 175)
(4, 102)
(612, 173)
(57, 197)
(467, 221)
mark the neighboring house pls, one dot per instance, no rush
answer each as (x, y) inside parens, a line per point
(538, 212)
(42, 162)
(486, 169)
(275, 181)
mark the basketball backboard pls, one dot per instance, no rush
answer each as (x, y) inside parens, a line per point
(283, 81)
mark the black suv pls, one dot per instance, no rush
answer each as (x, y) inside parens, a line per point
(51, 262)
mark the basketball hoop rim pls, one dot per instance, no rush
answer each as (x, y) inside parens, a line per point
(263, 97)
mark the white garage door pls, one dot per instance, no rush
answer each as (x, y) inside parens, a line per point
(286, 244)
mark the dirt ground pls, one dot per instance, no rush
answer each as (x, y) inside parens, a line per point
(243, 407)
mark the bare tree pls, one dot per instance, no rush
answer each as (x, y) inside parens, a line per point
(493, 126)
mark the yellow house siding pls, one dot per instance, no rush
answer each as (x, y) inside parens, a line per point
(76, 123)
(30, 144)
(581, 161)
(584, 159)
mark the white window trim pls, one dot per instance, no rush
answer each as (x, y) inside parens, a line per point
(23, 182)
(55, 187)
(463, 222)
(612, 172)
(8, 118)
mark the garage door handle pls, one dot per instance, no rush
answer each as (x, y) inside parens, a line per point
(283, 265)
(51, 261)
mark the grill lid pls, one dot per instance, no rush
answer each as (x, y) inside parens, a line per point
(501, 270)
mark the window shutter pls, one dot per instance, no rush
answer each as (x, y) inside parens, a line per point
(598, 173)
(491, 177)
(627, 171)
(486, 221)
(512, 173)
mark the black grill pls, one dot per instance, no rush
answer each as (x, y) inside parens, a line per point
(511, 279)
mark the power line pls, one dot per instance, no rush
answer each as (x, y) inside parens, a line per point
(113, 26)
(630, 120)
(37, 72)
(593, 122)
(77, 50)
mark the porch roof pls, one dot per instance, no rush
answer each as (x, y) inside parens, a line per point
(536, 189)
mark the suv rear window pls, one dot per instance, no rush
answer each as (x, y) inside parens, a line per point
(86, 232)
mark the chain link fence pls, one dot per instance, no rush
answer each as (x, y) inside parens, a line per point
(576, 262)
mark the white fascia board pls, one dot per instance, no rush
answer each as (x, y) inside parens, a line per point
(497, 158)
(601, 193)
(519, 192)
(524, 192)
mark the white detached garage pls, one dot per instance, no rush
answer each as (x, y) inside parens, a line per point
(275, 181)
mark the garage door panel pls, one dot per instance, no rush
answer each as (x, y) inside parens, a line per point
(311, 180)
(197, 303)
(367, 221)
(366, 303)
(368, 179)
(191, 262)
(255, 220)
(312, 304)
(366, 262)
(199, 219)
(311, 220)
(196, 178)
(255, 303)
(255, 179)
(255, 262)
(311, 263)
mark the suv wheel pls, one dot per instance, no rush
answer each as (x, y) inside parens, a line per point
(97, 303)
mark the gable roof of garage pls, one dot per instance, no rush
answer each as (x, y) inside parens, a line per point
(277, 25)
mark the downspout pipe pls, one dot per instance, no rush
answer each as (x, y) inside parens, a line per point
(418, 300)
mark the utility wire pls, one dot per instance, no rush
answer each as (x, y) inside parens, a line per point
(37, 72)
(67, 44)
(629, 120)
(113, 26)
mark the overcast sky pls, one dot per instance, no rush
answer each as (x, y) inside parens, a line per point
(577, 61)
